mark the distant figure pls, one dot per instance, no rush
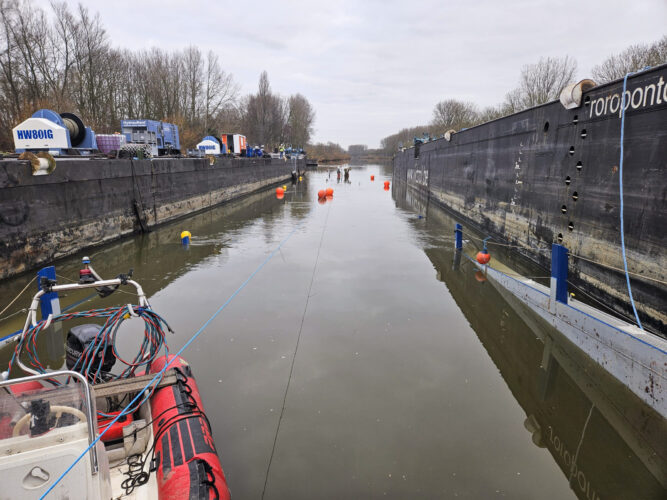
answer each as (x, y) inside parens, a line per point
(282, 150)
(347, 174)
(338, 174)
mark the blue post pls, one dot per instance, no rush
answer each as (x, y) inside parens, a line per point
(49, 302)
(559, 273)
(459, 236)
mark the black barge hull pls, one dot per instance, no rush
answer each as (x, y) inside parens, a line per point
(88, 202)
(550, 174)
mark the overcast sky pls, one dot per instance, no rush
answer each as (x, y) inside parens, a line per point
(371, 68)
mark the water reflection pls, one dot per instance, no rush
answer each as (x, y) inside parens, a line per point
(607, 443)
(157, 258)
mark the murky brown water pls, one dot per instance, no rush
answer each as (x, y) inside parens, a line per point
(412, 379)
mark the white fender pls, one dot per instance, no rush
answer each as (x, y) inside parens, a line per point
(570, 96)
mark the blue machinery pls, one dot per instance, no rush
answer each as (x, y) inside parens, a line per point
(162, 137)
(54, 133)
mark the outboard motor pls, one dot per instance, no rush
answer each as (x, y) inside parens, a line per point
(78, 340)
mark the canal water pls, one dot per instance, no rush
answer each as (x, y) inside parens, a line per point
(364, 361)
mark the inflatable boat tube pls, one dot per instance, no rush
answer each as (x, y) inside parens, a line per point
(186, 460)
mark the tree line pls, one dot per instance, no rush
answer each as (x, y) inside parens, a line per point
(269, 119)
(539, 83)
(63, 60)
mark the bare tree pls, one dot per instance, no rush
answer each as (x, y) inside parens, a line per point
(265, 114)
(632, 59)
(90, 47)
(490, 113)
(453, 114)
(219, 89)
(300, 121)
(193, 66)
(541, 82)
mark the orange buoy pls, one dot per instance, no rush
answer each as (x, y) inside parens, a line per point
(386, 184)
(280, 191)
(386, 188)
(372, 177)
(480, 276)
(321, 193)
(483, 257)
(329, 192)
(280, 196)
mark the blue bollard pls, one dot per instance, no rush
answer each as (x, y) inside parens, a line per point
(49, 302)
(559, 273)
(458, 232)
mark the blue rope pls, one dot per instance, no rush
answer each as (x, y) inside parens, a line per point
(620, 185)
(158, 376)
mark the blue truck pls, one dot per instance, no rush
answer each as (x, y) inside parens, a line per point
(161, 136)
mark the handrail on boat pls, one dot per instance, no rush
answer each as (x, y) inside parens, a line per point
(31, 318)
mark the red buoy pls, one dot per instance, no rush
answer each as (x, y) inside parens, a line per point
(279, 191)
(483, 257)
(321, 193)
(329, 192)
(280, 196)
(386, 183)
(372, 177)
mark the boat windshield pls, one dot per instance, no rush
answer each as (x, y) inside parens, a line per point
(37, 408)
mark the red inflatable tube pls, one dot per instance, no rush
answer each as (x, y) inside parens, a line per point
(187, 462)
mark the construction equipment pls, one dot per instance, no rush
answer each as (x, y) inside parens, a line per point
(236, 144)
(54, 133)
(212, 146)
(162, 137)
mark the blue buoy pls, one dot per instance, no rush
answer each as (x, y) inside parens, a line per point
(185, 238)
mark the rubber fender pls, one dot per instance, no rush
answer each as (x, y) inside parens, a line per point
(571, 95)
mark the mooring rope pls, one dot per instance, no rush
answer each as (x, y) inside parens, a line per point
(296, 348)
(16, 298)
(620, 187)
